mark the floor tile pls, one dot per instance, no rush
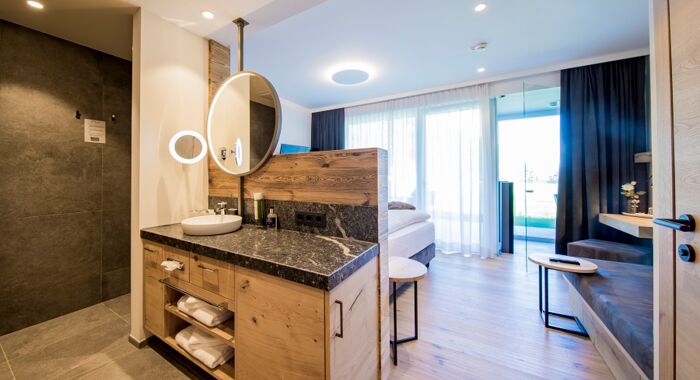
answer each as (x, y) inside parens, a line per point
(5, 373)
(140, 364)
(120, 305)
(77, 355)
(34, 338)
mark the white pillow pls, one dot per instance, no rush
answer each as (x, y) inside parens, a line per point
(399, 219)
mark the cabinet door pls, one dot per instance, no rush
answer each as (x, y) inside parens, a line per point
(355, 355)
(212, 275)
(279, 328)
(154, 304)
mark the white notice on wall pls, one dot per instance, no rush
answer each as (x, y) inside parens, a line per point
(95, 131)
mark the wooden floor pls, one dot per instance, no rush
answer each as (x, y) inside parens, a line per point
(478, 319)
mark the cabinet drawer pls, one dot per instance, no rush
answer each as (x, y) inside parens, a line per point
(212, 275)
(170, 253)
(152, 257)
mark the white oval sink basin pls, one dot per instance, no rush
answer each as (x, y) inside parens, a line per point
(211, 224)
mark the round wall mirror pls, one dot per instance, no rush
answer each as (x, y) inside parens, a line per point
(244, 122)
(188, 147)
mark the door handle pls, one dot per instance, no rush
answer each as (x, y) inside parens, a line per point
(340, 334)
(684, 223)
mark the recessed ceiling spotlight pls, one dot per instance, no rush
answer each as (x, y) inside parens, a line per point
(35, 4)
(481, 69)
(350, 74)
(207, 15)
(480, 7)
(481, 46)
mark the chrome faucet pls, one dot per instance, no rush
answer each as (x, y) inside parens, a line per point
(221, 208)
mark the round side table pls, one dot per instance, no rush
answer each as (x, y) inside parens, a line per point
(544, 261)
(403, 270)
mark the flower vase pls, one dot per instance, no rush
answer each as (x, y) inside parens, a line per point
(632, 206)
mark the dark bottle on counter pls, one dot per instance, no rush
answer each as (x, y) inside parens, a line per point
(271, 220)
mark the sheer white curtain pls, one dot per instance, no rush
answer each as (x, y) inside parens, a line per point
(442, 158)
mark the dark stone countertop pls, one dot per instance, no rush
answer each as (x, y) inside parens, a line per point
(319, 261)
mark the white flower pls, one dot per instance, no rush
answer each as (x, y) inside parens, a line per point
(628, 187)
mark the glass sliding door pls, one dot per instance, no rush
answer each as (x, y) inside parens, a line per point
(528, 146)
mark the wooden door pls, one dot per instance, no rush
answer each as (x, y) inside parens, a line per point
(684, 20)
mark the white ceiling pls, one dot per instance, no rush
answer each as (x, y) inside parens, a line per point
(417, 44)
(412, 44)
(106, 25)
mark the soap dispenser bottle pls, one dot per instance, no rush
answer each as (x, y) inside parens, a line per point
(271, 220)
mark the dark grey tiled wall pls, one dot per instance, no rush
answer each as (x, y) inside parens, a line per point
(262, 128)
(65, 204)
(355, 222)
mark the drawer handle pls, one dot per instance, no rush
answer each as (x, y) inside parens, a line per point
(220, 306)
(245, 284)
(150, 249)
(200, 266)
(340, 334)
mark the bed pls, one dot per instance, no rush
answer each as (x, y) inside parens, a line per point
(411, 235)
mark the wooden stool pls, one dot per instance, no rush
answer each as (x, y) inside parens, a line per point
(402, 270)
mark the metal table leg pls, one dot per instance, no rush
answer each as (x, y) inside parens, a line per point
(396, 341)
(545, 313)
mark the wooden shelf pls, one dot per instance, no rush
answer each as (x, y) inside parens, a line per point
(223, 331)
(633, 225)
(225, 371)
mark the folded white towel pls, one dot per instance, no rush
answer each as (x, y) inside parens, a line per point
(171, 265)
(209, 350)
(202, 311)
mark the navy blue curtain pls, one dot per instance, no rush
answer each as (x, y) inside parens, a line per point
(604, 122)
(328, 130)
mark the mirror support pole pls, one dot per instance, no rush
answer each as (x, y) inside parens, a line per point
(240, 196)
(241, 23)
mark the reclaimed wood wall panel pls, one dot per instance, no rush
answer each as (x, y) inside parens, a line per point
(219, 71)
(347, 177)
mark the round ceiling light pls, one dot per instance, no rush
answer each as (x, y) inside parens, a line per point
(350, 74)
(481, 69)
(35, 4)
(207, 15)
(480, 7)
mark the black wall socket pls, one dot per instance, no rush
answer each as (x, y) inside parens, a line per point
(311, 219)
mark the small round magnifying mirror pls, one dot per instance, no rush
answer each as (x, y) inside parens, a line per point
(188, 147)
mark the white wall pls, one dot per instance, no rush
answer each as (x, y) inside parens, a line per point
(170, 81)
(296, 124)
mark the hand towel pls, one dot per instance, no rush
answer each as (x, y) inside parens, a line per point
(202, 311)
(171, 265)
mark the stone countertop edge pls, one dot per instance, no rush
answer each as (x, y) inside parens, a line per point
(302, 276)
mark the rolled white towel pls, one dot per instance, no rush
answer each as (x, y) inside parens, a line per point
(204, 347)
(202, 311)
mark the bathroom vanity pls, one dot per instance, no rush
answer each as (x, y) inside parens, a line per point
(305, 306)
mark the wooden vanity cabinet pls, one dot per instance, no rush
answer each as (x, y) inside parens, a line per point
(281, 329)
(285, 330)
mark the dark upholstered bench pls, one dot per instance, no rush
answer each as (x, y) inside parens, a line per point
(621, 296)
(610, 250)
